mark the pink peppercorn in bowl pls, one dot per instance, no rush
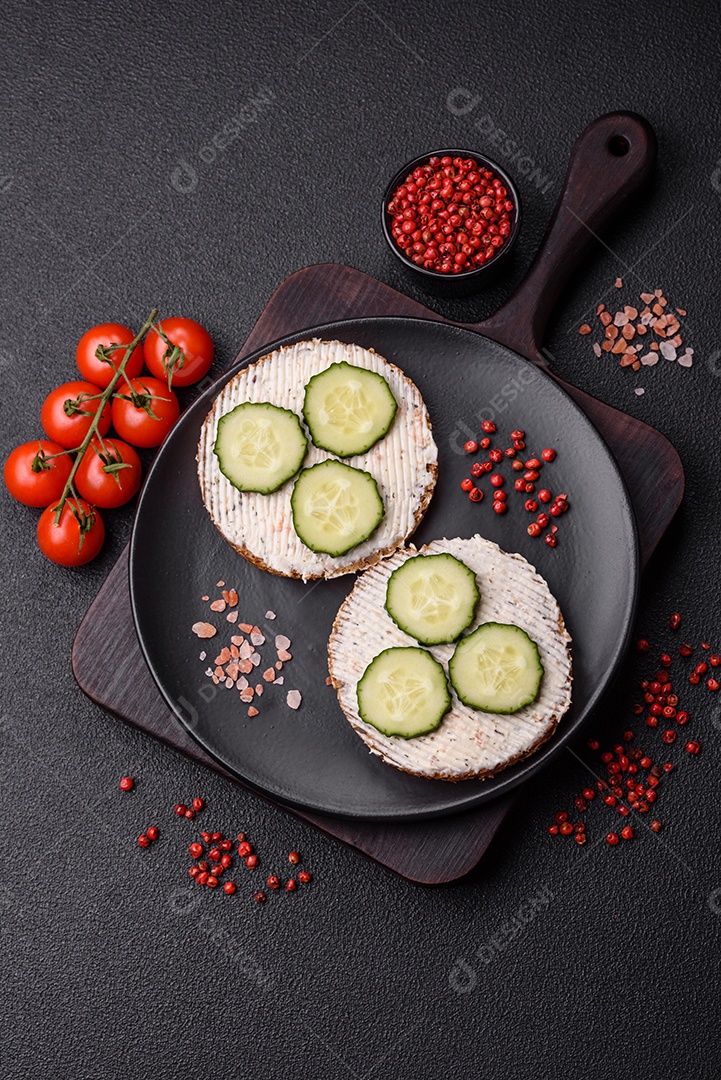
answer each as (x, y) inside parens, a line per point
(452, 218)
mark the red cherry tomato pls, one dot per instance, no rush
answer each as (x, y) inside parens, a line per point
(98, 371)
(109, 473)
(67, 413)
(145, 416)
(31, 478)
(77, 538)
(196, 347)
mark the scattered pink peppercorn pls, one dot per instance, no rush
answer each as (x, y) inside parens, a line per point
(126, 783)
(229, 887)
(693, 747)
(143, 840)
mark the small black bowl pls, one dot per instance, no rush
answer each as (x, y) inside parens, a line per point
(469, 281)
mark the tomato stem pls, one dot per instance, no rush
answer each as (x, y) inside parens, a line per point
(173, 357)
(94, 423)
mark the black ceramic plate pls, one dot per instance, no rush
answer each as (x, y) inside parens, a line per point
(312, 758)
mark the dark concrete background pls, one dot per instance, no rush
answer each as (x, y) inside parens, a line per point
(105, 972)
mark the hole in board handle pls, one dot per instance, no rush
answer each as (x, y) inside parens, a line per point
(619, 145)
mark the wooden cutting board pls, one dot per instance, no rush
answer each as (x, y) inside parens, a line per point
(430, 852)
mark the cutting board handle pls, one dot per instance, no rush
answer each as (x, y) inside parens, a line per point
(610, 160)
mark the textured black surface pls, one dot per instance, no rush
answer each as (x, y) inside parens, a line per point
(106, 973)
(313, 759)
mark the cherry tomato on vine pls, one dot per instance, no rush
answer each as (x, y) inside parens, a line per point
(98, 371)
(109, 473)
(67, 413)
(78, 537)
(145, 415)
(31, 478)
(189, 361)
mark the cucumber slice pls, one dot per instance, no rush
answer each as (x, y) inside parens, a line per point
(403, 692)
(259, 446)
(335, 507)
(432, 597)
(497, 668)
(348, 409)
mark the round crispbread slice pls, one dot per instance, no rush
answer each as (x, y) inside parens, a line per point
(404, 464)
(468, 743)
